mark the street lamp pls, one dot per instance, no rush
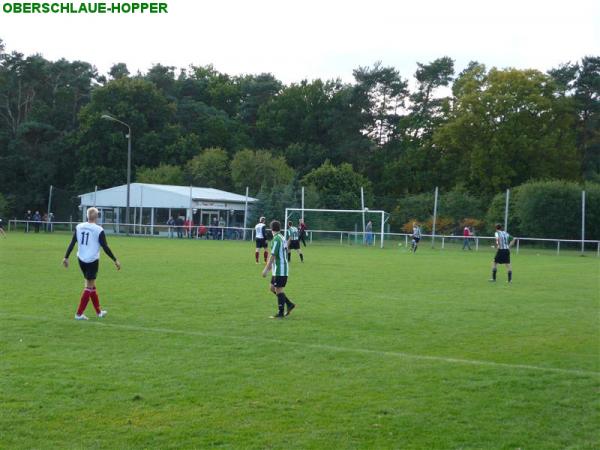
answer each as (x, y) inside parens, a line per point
(114, 119)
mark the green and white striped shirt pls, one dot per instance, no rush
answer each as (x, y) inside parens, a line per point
(292, 233)
(279, 251)
(503, 240)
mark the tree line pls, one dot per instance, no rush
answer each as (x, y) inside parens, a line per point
(477, 131)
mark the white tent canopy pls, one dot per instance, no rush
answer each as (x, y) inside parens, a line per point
(145, 195)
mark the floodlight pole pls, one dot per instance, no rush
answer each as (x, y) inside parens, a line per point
(114, 119)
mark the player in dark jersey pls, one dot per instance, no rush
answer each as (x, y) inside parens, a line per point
(503, 245)
(89, 237)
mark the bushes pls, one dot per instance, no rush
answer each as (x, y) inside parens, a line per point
(545, 209)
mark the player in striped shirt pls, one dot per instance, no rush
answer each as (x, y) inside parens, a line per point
(278, 264)
(293, 241)
(503, 244)
(416, 237)
(89, 237)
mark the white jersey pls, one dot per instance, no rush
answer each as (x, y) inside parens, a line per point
(88, 241)
(260, 230)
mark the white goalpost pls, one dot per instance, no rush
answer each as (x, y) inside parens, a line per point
(355, 211)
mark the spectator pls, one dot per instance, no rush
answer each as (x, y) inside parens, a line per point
(222, 225)
(2, 233)
(171, 223)
(369, 232)
(188, 228)
(215, 228)
(37, 221)
(202, 231)
(27, 220)
(179, 225)
(466, 238)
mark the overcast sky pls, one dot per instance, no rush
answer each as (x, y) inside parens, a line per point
(318, 39)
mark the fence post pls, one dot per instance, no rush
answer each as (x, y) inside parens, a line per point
(71, 223)
(557, 248)
(341, 238)
(443, 240)
(406, 240)
(518, 242)
(477, 244)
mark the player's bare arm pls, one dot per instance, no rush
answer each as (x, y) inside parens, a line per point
(268, 266)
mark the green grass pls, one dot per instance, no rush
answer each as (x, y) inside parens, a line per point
(386, 350)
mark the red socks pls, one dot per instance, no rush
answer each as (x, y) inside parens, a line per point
(85, 298)
(265, 255)
(256, 256)
(95, 300)
(89, 293)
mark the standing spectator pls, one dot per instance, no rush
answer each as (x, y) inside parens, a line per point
(2, 233)
(179, 225)
(302, 229)
(221, 227)
(369, 232)
(215, 228)
(37, 221)
(466, 238)
(171, 223)
(187, 226)
(27, 220)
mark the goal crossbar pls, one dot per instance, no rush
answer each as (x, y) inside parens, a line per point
(361, 211)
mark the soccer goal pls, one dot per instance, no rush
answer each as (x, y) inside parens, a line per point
(354, 228)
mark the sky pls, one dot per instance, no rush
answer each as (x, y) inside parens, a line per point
(311, 39)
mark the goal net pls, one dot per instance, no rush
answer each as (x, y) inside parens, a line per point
(346, 226)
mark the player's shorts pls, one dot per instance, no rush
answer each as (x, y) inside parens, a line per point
(89, 270)
(1, 226)
(416, 239)
(294, 245)
(261, 243)
(279, 281)
(502, 256)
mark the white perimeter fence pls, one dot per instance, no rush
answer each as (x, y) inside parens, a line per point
(335, 236)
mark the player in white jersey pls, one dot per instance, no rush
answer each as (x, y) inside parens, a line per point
(279, 266)
(260, 234)
(89, 237)
(503, 244)
(293, 241)
(416, 237)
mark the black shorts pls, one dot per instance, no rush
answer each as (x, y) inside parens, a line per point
(416, 239)
(279, 281)
(502, 256)
(89, 270)
(261, 243)
(294, 245)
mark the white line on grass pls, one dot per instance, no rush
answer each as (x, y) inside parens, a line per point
(335, 348)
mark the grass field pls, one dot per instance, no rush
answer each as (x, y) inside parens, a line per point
(385, 350)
